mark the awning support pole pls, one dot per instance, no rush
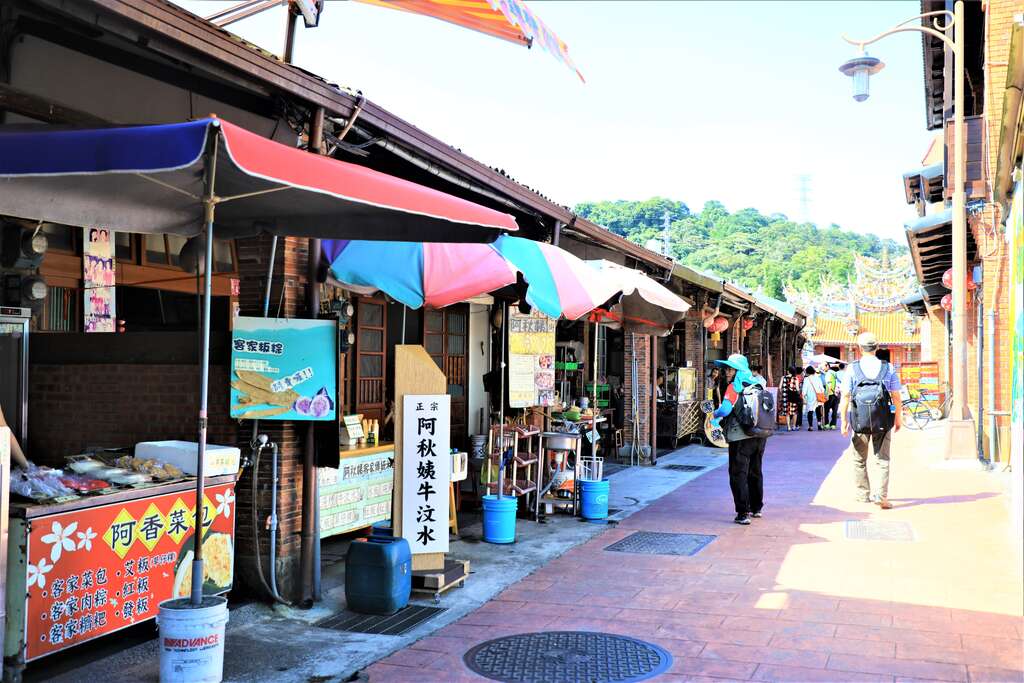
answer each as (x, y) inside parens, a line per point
(209, 208)
(501, 402)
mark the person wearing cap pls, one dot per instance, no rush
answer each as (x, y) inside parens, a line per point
(745, 452)
(873, 368)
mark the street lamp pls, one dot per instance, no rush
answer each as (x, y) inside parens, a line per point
(860, 69)
(949, 28)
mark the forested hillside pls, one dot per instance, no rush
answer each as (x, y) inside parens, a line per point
(746, 246)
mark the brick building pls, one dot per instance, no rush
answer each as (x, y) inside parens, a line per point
(991, 113)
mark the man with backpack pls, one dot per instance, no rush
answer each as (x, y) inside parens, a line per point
(870, 392)
(747, 416)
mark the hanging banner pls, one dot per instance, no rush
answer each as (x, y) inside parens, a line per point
(531, 356)
(426, 471)
(94, 571)
(98, 304)
(284, 369)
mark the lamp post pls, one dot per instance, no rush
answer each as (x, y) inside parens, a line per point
(949, 28)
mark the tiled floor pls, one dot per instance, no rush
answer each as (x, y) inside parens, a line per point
(788, 598)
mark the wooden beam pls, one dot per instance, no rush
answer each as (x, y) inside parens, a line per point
(18, 101)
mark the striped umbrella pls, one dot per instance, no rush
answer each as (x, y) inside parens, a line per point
(437, 275)
(419, 273)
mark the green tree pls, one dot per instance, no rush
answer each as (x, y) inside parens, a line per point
(748, 247)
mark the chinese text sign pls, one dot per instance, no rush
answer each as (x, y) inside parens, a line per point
(426, 472)
(94, 571)
(284, 369)
(531, 367)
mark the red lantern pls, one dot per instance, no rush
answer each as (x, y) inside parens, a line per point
(709, 322)
(947, 302)
(947, 279)
(721, 324)
(748, 323)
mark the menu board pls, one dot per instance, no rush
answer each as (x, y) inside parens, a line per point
(284, 369)
(356, 494)
(531, 367)
(98, 570)
(922, 378)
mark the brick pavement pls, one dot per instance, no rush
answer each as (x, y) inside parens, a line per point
(788, 598)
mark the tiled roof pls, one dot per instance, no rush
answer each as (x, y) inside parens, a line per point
(888, 327)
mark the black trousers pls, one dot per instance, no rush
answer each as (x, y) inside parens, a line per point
(800, 412)
(811, 414)
(745, 478)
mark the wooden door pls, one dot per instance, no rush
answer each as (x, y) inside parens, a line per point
(446, 338)
(371, 343)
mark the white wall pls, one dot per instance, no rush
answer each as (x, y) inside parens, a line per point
(479, 355)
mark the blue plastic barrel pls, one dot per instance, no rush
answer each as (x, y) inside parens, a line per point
(378, 575)
(594, 499)
(500, 519)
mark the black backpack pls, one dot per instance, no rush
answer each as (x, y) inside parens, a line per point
(755, 411)
(870, 401)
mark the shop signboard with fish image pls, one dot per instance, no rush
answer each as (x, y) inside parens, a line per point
(284, 369)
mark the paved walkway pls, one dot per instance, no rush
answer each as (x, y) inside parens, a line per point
(788, 598)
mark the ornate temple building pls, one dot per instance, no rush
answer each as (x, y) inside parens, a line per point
(871, 302)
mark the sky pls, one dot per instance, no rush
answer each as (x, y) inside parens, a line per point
(695, 101)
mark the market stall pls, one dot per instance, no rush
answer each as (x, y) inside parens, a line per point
(101, 543)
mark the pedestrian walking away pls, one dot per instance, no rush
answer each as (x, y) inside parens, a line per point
(871, 408)
(831, 407)
(789, 397)
(813, 392)
(746, 452)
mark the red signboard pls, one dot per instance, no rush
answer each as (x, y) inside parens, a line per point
(95, 571)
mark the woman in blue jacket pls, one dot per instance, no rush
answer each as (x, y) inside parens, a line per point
(745, 452)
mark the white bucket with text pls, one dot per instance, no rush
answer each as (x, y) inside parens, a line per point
(192, 640)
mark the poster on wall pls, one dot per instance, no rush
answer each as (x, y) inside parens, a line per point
(531, 367)
(284, 369)
(426, 471)
(98, 570)
(98, 303)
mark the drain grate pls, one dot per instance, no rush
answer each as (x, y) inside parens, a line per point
(570, 656)
(402, 621)
(613, 467)
(685, 468)
(656, 543)
(877, 530)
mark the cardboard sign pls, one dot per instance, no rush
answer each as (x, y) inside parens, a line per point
(284, 369)
(531, 366)
(95, 571)
(426, 471)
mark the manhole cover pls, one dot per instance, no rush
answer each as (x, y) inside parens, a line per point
(685, 468)
(655, 543)
(577, 656)
(876, 530)
(402, 621)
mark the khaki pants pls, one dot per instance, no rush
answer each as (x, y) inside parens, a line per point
(879, 444)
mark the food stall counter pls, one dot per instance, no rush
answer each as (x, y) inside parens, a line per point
(95, 564)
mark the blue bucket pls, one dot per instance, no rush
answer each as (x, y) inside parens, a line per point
(594, 499)
(500, 519)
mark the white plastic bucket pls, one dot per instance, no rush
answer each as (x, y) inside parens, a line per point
(192, 640)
